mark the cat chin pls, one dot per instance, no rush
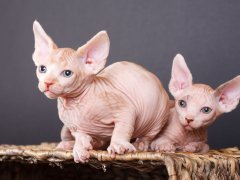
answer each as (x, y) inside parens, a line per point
(189, 128)
(50, 95)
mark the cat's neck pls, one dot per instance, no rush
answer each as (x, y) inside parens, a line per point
(86, 87)
(81, 88)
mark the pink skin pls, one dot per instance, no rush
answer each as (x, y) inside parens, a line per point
(186, 129)
(97, 105)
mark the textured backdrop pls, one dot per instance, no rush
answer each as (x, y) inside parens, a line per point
(149, 33)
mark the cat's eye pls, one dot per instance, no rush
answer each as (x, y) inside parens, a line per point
(42, 69)
(206, 110)
(67, 73)
(182, 103)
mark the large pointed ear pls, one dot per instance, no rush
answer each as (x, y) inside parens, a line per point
(95, 52)
(43, 43)
(228, 95)
(181, 77)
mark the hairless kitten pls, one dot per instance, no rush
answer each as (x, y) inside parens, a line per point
(196, 107)
(99, 105)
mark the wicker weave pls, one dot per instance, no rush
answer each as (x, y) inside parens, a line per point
(217, 164)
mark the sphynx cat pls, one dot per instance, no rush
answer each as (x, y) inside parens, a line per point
(99, 105)
(196, 107)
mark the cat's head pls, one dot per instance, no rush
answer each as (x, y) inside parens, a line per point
(65, 72)
(198, 105)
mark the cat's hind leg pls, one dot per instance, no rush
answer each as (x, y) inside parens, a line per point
(67, 140)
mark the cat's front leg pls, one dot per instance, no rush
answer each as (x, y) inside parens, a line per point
(83, 143)
(196, 147)
(162, 144)
(120, 141)
(67, 140)
(142, 144)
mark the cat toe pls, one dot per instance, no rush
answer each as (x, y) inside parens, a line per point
(120, 148)
(165, 148)
(141, 146)
(80, 155)
(65, 145)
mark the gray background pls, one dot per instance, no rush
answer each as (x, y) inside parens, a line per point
(147, 32)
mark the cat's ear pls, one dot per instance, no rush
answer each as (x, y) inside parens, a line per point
(228, 95)
(95, 52)
(43, 43)
(181, 77)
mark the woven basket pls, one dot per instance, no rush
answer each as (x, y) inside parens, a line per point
(44, 162)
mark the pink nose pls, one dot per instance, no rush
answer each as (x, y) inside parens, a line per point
(48, 84)
(189, 120)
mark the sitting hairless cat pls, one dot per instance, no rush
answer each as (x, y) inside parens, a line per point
(99, 105)
(196, 107)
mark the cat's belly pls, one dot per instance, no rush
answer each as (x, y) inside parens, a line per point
(96, 131)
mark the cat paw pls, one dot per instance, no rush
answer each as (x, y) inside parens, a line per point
(81, 151)
(141, 145)
(65, 145)
(191, 147)
(120, 148)
(80, 155)
(163, 147)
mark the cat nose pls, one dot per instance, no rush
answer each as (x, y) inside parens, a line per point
(189, 120)
(48, 84)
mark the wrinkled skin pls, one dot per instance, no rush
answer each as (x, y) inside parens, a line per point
(196, 107)
(97, 106)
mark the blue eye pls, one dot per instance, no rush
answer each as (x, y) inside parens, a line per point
(42, 69)
(206, 110)
(67, 73)
(182, 103)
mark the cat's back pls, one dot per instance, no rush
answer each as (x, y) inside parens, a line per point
(128, 73)
(144, 90)
(133, 80)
